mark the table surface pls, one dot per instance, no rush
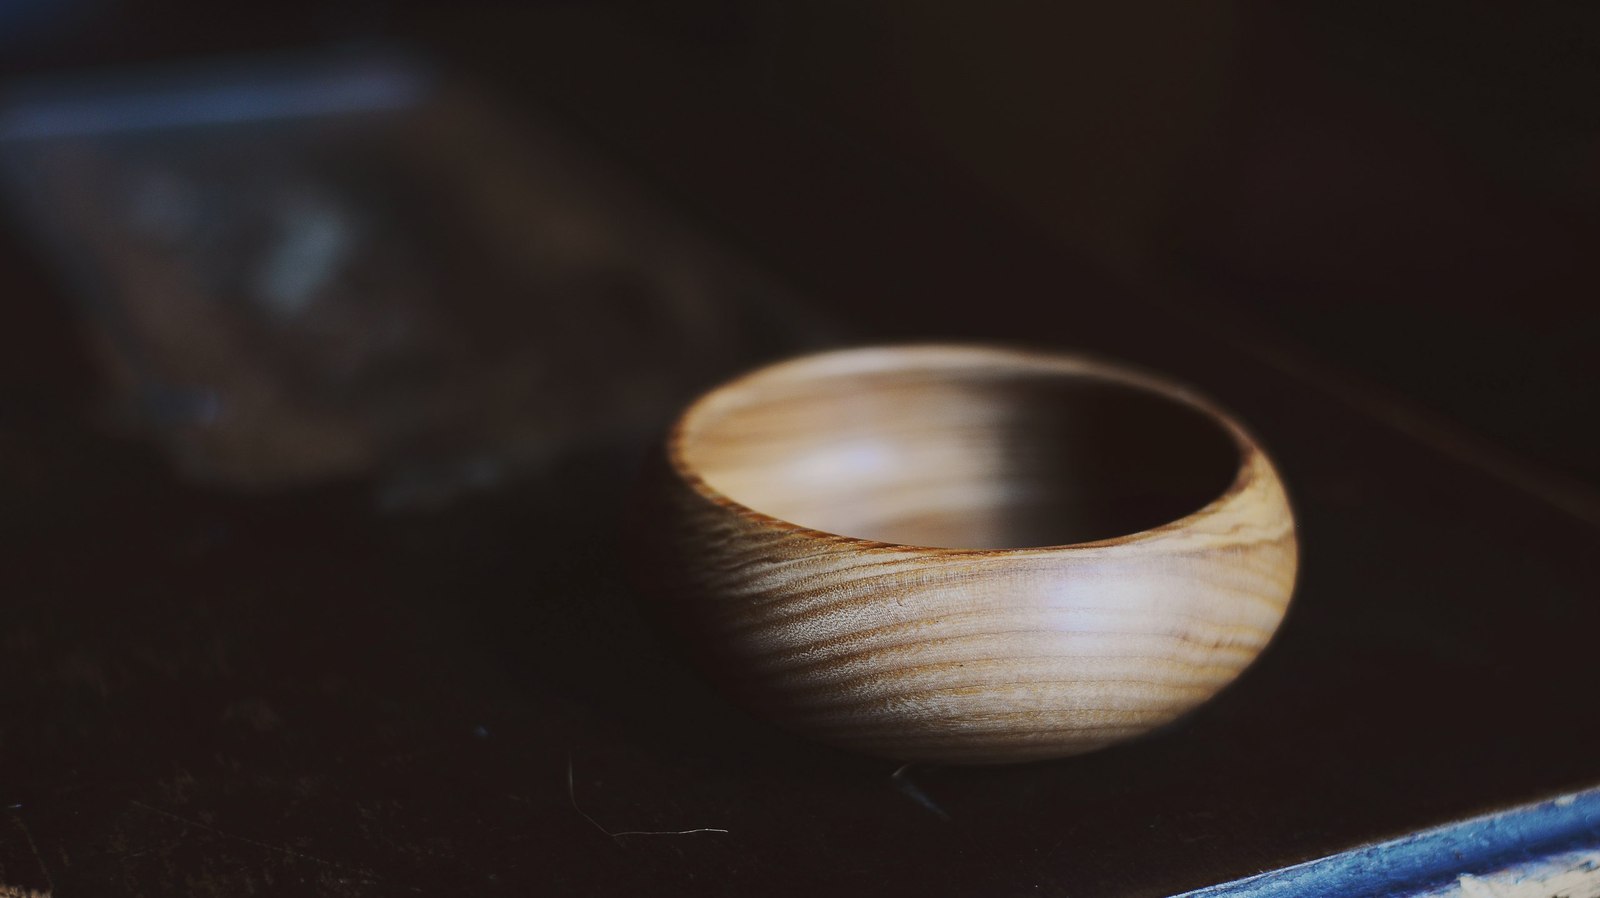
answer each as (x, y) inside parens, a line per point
(213, 694)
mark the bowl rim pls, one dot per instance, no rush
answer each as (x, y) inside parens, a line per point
(1252, 463)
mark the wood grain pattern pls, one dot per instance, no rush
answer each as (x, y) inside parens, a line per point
(967, 554)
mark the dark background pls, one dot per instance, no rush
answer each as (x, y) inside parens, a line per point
(1407, 193)
(1369, 228)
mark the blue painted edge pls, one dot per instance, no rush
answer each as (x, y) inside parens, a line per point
(1432, 857)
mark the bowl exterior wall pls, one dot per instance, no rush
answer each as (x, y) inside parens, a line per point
(969, 656)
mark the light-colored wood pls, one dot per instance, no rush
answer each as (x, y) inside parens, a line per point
(966, 554)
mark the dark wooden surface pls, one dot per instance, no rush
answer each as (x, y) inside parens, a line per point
(209, 694)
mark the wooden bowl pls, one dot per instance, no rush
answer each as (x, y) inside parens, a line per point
(966, 554)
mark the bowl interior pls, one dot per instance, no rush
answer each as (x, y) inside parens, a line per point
(955, 450)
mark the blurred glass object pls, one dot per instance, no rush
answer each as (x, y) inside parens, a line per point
(345, 267)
